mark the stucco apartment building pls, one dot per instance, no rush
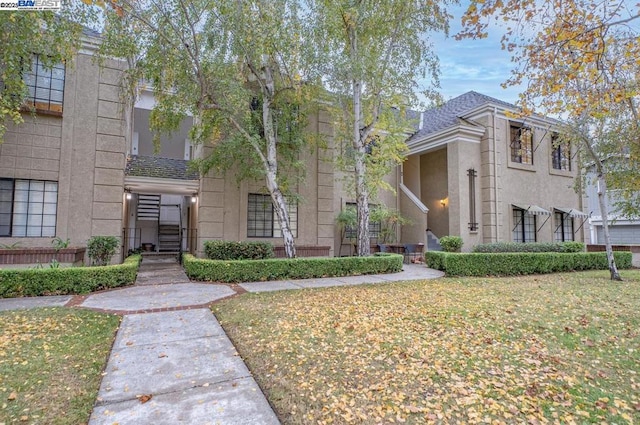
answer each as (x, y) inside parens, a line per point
(488, 177)
(85, 165)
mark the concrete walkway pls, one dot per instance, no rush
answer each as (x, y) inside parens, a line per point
(184, 361)
(171, 361)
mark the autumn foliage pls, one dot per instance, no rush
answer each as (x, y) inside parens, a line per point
(544, 349)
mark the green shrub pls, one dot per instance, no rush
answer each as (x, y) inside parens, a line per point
(571, 246)
(511, 264)
(284, 268)
(530, 247)
(101, 248)
(67, 280)
(451, 243)
(229, 250)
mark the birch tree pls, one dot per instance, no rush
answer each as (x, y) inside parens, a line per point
(234, 67)
(371, 56)
(580, 60)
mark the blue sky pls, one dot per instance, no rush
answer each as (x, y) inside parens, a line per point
(479, 65)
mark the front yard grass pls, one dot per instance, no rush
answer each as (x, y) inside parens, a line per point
(561, 348)
(51, 362)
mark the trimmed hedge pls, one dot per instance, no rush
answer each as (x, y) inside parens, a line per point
(511, 264)
(451, 243)
(230, 250)
(67, 280)
(288, 268)
(569, 246)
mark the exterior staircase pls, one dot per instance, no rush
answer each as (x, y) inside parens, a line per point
(433, 243)
(169, 237)
(148, 207)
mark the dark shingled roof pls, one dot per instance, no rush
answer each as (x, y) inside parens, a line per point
(449, 113)
(165, 168)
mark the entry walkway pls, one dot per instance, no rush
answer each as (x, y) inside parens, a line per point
(171, 362)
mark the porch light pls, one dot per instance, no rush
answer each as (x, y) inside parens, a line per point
(194, 198)
(443, 202)
(128, 192)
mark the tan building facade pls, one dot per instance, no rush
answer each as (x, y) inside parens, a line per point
(62, 170)
(85, 165)
(488, 177)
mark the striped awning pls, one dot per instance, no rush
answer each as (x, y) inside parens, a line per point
(533, 209)
(574, 213)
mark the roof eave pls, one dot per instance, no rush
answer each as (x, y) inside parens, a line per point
(138, 184)
(537, 119)
(460, 132)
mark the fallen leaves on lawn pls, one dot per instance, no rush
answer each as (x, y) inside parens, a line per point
(50, 363)
(478, 351)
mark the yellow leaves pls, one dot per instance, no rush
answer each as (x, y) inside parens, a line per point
(450, 351)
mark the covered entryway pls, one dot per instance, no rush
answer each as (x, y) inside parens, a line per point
(160, 213)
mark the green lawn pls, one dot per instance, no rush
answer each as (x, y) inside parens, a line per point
(51, 362)
(561, 348)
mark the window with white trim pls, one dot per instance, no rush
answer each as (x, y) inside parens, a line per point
(28, 208)
(524, 226)
(262, 220)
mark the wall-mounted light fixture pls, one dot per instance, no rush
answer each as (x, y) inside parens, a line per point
(194, 198)
(443, 202)
(128, 192)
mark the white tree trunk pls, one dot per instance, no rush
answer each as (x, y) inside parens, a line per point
(613, 269)
(362, 193)
(277, 198)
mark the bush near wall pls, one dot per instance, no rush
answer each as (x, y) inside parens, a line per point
(511, 264)
(230, 250)
(294, 268)
(67, 280)
(569, 246)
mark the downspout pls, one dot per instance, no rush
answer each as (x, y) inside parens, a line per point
(495, 167)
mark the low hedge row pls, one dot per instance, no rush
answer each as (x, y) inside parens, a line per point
(511, 264)
(67, 280)
(243, 250)
(569, 246)
(287, 268)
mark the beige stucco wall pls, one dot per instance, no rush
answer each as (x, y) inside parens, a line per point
(537, 184)
(462, 156)
(416, 230)
(343, 195)
(170, 145)
(491, 218)
(435, 187)
(222, 203)
(84, 151)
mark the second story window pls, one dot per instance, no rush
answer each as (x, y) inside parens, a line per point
(521, 144)
(45, 85)
(560, 154)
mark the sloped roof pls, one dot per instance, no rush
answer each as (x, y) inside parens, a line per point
(165, 168)
(450, 112)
